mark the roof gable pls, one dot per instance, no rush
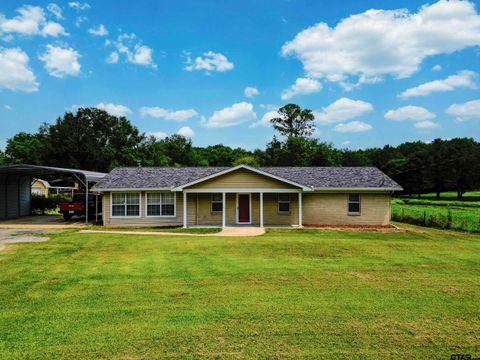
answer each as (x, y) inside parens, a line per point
(257, 182)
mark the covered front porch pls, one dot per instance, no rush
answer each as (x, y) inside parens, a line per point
(242, 207)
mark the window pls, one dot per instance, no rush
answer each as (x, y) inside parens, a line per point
(125, 204)
(161, 204)
(217, 203)
(284, 203)
(354, 203)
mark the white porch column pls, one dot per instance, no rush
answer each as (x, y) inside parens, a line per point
(185, 210)
(224, 207)
(261, 209)
(300, 209)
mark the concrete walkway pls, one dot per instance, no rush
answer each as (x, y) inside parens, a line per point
(232, 231)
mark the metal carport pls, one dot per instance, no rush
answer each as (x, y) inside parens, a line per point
(15, 186)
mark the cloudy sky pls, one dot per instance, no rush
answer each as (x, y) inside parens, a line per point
(373, 72)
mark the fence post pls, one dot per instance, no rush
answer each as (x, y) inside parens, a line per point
(424, 217)
(449, 219)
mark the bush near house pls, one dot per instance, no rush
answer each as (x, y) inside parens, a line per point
(42, 205)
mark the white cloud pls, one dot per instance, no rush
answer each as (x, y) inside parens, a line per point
(79, 20)
(142, 56)
(132, 50)
(376, 43)
(115, 110)
(426, 125)
(53, 29)
(463, 79)
(186, 131)
(210, 61)
(231, 116)
(341, 110)
(409, 112)
(353, 126)
(15, 74)
(161, 113)
(100, 30)
(466, 111)
(437, 67)
(7, 107)
(251, 91)
(159, 135)
(31, 21)
(112, 58)
(79, 6)
(61, 62)
(302, 86)
(265, 120)
(346, 142)
(55, 10)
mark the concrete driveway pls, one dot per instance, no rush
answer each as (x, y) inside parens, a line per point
(9, 236)
(37, 222)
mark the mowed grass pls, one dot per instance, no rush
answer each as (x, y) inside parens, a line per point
(456, 215)
(287, 294)
(205, 230)
(472, 195)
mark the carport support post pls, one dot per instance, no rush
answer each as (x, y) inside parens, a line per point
(86, 202)
(96, 208)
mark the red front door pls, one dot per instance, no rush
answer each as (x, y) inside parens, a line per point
(243, 208)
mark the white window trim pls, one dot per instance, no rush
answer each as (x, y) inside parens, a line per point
(161, 216)
(126, 216)
(282, 201)
(211, 203)
(249, 209)
(354, 202)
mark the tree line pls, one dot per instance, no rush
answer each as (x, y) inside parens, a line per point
(94, 140)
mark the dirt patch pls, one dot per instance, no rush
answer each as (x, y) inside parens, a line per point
(13, 236)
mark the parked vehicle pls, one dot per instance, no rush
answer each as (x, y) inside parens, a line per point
(77, 206)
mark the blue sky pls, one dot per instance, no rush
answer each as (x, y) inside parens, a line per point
(401, 72)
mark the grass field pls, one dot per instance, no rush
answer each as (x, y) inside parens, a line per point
(287, 294)
(455, 215)
(473, 195)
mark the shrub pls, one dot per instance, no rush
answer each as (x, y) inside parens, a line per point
(41, 204)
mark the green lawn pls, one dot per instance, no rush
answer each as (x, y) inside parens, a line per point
(287, 294)
(456, 215)
(473, 195)
(206, 230)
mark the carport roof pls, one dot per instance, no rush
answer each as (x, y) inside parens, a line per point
(38, 170)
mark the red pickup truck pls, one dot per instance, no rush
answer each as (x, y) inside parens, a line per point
(77, 206)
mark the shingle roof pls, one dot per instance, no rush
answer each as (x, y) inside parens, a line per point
(314, 177)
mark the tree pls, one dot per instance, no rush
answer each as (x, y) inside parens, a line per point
(246, 160)
(25, 148)
(293, 121)
(3, 158)
(152, 153)
(91, 139)
(300, 151)
(180, 150)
